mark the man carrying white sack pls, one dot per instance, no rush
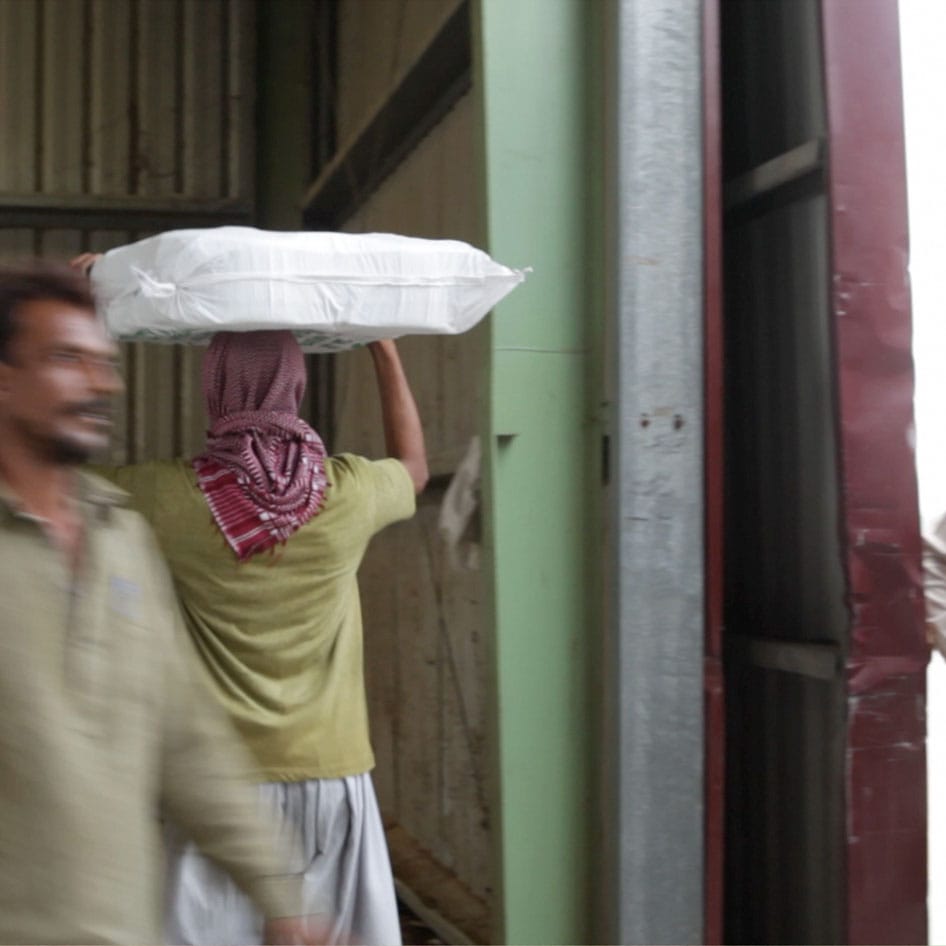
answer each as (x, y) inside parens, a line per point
(101, 724)
(264, 535)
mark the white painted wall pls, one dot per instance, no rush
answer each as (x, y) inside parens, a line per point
(923, 41)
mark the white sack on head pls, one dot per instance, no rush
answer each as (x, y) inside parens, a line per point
(333, 290)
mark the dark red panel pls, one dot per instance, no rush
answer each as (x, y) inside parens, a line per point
(891, 907)
(714, 703)
(888, 716)
(888, 805)
(715, 775)
(885, 754)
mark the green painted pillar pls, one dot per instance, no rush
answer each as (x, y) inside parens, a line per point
(541, 459)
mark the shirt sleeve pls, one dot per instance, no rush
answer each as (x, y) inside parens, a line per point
(934, 585)
(138, 480)
(386, 488)
(394, 496)
(206, 779)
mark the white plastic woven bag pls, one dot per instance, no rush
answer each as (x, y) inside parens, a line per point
(333, 290)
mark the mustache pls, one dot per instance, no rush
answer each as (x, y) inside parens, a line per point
(99, 405)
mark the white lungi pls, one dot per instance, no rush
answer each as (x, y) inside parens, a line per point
(344, 863)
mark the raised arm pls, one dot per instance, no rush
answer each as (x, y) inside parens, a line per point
(84, 262)
(403, 434)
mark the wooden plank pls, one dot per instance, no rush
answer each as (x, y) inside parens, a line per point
(419, 743)
(451, 831)
(467, 822)
(426, 671)
(470, 761)
(438, 890)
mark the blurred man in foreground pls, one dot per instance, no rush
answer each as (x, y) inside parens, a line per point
(100, 726)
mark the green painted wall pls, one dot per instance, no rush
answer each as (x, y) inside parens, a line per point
(542, 458)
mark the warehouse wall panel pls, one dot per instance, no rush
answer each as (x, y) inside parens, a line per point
(426, 639)
(130, 117)
(377, 42)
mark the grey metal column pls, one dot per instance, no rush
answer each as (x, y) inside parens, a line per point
(656, 702)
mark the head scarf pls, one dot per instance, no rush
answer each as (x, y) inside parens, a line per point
(263, 470)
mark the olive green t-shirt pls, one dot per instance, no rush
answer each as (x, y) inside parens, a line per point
(280, 635)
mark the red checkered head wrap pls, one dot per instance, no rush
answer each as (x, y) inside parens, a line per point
(253, 372)
(263, 471)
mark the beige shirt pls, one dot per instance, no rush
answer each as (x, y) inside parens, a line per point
(280, 635)
(100, 728)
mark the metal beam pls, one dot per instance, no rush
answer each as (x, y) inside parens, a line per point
(658, 608)
(786, 177)
(90, 212)
(818, 660)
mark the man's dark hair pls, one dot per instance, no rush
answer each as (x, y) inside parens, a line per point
(36, 281)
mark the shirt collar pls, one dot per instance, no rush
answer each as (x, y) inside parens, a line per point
(92, 491)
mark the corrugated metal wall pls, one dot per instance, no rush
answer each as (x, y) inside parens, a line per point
(135, 116)
(426, 639)
(121, 118)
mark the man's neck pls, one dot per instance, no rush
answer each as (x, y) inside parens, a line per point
(43, 489)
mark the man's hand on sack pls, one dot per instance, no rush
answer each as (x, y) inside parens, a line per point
(84, 262)
(297, 931)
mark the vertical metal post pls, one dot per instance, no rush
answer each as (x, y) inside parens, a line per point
(532, 82)
(658, 614)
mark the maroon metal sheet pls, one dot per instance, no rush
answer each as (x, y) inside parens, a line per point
(714, 705)
(885, 772)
